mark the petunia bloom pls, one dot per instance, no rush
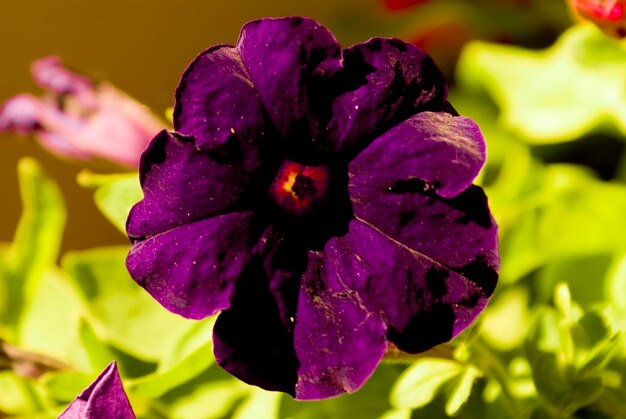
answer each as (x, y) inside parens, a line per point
(80, 119)
(104, 398)
(322, 200)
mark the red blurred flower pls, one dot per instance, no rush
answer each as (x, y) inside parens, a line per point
(608, 15)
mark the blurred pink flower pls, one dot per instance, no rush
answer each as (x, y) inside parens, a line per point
(80, 119)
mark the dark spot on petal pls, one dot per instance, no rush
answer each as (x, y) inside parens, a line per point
(621, 32)
(398, 44)
(424, 330)
(405, 217)
(375, 45)
(403, 186)
(436, 282)
(470, 301)
(303, 55)
(296, 21)
(479, 272)
(154, 154)
(473, 204)
(229, 152)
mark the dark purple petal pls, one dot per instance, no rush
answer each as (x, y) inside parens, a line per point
(385, 82)
(436, 149)
(253, 339)
(423, 301)
(286, 59)
(338, 341)
(458, 232)
(104, 398)
(191, 270)
(217, 103)
(181, 184)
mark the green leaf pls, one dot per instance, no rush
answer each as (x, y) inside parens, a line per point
(121, 312)
(573, 215)
(506, 319)
(212, 400)
(115, 195)
(190, 358)
(18, 396)
(260, 404)
(37, 240)
(64, 386)
(553, 95)
(615, 290)
(98, 354)
(421, 382)
(583, 393)
(549, 380)
(397, 414)
(51, 320)
(461, 391)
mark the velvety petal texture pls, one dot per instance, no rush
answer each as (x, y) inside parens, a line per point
(289, 61)
(192, 269)
(322, 200)
(182, 184)
(223, 110)
(338, 341)
(386, 81)
(104, 398)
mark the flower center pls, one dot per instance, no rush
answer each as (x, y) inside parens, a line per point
(299, 188)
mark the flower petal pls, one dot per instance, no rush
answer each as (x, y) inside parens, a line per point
(423, 301)
(191, 270)
(51, 74)
(387, 80)
(182, 184)
(437, 149)
(104, 398)
(287, 59)
(217, 103)
(250, 339)
(458, 232)
(338, 341)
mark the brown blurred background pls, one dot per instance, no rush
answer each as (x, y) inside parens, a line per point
(142, 47)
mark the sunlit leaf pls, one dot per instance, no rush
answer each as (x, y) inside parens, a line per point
(51, 320)
(121, 312)
(65, 386)
(506, 320)
(421, 382)
(192, 356)
(461, 391)
(115, 195)
(260, 403)
(553, 95)
(37, 240)
(212, 400)
(18, 396)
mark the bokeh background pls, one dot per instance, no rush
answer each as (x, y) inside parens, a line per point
(142, 47)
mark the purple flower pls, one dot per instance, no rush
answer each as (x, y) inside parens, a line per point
(79, 119)
(104, 398)
(322, 200)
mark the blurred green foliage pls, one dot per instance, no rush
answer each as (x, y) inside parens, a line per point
(549, 345)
